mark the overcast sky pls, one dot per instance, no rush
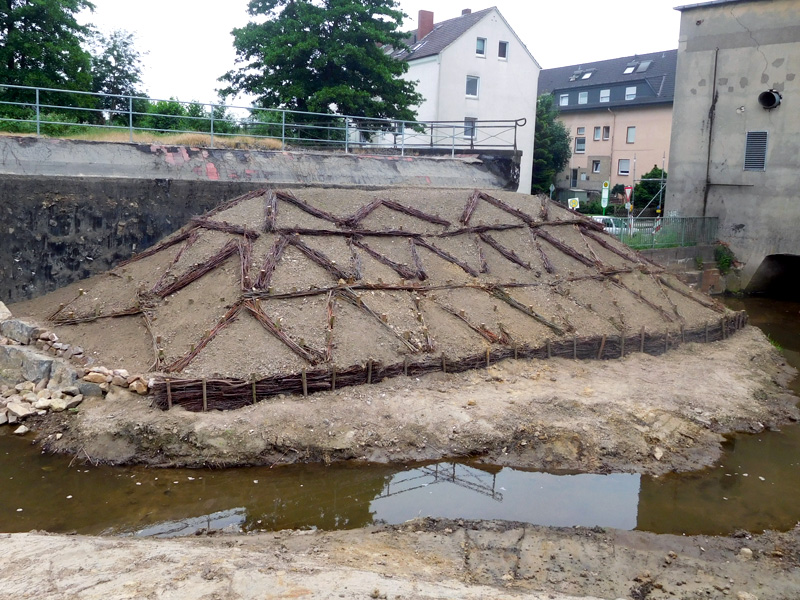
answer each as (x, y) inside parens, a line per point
(188, 42)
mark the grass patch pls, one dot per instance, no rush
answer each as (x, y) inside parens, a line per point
(775, 344)
(122, 135)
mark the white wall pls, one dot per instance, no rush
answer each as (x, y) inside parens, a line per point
(508, 88)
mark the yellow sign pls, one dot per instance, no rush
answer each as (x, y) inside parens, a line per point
(574, 203)
(605, 185)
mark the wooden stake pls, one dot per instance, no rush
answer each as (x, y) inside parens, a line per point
(722, 326)
(333, 378)
(205, 397)
(549, 349)
(706, 332)
(666, 341)
(641, 343)
(515, 351)
(169, 394)
(253, 384)
(683, 334)
(305, 383)
(369, 371)
(602, 347)
(405, 366)
(444, 363)
(622, 345)
(575, 347)
(488, 355)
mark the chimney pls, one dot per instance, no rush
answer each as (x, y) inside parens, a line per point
(424, 23)
(466, 11)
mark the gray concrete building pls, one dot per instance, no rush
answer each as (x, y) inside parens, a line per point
(735, 149)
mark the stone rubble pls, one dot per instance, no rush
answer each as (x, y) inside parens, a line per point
(43, 384)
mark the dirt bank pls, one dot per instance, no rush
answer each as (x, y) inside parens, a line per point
(641, 414)
(420, 559)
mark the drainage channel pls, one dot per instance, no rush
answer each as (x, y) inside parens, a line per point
(752, 488)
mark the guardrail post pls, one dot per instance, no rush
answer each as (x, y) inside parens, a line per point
(453, 147)
(346, 137)
(130, 118)
(283, 130)
(402, 138)
(38, 128)
(212, 125)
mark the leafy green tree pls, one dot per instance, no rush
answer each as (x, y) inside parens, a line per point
(116, 71)
(324, 56)
(165, 115)
(551, 146)
(645, 191)
(42, 44)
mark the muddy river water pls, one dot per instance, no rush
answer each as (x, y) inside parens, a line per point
(753, 487)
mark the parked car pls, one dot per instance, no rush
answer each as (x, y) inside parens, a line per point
(610, 225)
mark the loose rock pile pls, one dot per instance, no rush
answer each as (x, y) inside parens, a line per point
(33, 384)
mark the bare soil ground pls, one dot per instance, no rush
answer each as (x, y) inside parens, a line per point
(422, 559)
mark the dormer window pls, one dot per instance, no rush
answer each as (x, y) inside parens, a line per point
(480, 47)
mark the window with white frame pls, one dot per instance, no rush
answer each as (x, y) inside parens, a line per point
(580, 145)
(624, 166)
(631, 136)
(469, 127)
(563, 100)
(630, 92)
(581, 130)
(502, 51)
(480, 47)
(597, 134)
(606, 132)
(605, 95)
(629, 69)
(595, 166)
(583, 97)
(473, 85)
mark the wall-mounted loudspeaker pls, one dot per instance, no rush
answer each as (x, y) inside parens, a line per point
(769, 99)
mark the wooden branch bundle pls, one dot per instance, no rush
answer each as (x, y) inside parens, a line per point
(569, 251)
(227, 319)
(234, 201)
(307, 353)
(67, 320)
(627, 254)
(446, 256)
(638, 295)
(349, 295)
(413, 212)
(320, 259)
(157, 248)
(225, 227)
(228, 394)
(270, 211)
(525, 218)
(544, 214)
(421, 274)
(195, 235)
(403, 270)
(485, 333)
(245, 256)
(355, 259)
(715, 306)
(508, 254)
(472, 204)
(197, 271)
(482, 257)
(501, 294)
(477, 229)
(548, 266)
(312, 210)
(270, 262)
(362, 213)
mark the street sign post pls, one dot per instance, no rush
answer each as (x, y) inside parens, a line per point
(604, 197)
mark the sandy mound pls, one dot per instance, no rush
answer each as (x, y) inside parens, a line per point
(285, 292)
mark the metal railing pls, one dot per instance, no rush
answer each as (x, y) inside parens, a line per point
(663, 232)
(65, 113)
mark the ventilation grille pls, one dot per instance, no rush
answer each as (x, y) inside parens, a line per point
(755, 151)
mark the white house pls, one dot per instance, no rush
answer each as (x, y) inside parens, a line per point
(475, 68)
